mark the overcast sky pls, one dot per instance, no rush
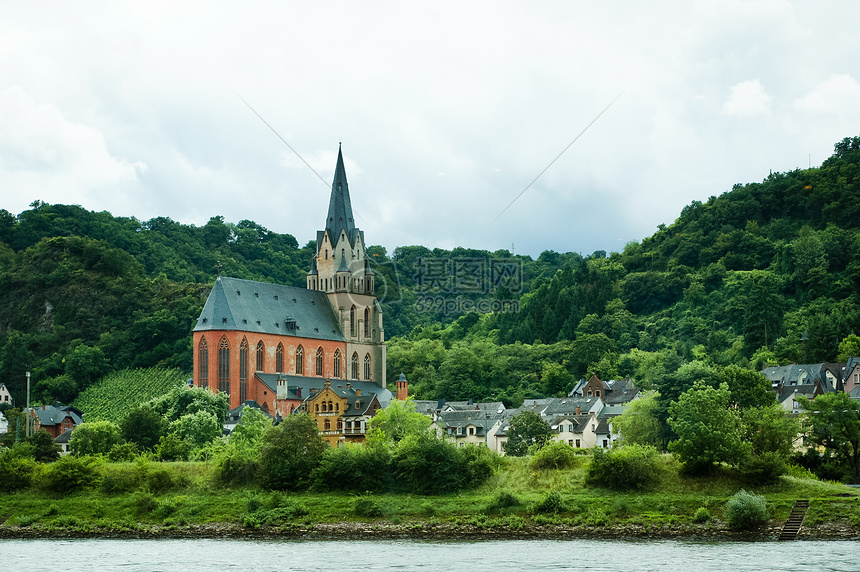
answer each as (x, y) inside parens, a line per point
(446, 111)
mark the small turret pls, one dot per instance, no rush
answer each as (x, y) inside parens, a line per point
(402, 388)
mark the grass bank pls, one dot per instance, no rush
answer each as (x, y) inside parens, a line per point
(179, 499)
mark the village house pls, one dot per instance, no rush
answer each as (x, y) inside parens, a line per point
(56, 419)
(5, 395)
(341, 412)
(612, 392)
(470, 426)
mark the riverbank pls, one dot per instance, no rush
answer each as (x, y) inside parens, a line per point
(423, 530)
(180, 500)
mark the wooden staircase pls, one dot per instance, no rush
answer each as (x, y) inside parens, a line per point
(795, 520)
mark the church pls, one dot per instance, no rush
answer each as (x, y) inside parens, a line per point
(289, 348)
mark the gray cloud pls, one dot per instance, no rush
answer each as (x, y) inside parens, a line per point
(446, 111)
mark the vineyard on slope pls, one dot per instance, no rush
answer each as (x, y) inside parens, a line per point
(118, 393)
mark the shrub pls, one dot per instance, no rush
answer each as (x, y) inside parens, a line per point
(478, 463)
(365, 506)
(17, 469)
(236, 465)
(144, 502)
(165, 508)
(162, 479)
(172, 447)
(555, 455)
(550, 503)
(123, 452)
(746, 510)
(354, 468)
(801, 472)
(281, 515)
(292, 450)
(71, 474)
(833, 470)
(44, 448)
(427, 465)
(253, 503)
(501, 501)
(762, 469)
(628, 467)
(701, 515)
(94, 438)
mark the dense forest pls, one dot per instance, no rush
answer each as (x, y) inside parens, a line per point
(764, 273)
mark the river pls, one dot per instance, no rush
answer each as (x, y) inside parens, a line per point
(476, 556)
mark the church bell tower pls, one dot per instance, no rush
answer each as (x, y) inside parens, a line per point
(341, 269)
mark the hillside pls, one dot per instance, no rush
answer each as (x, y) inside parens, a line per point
(765, 272)
(111, 398)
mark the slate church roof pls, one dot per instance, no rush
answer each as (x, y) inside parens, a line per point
(249, 306)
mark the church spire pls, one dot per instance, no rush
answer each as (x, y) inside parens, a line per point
(339, 206)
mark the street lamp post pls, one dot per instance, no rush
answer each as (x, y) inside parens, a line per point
(29, 413)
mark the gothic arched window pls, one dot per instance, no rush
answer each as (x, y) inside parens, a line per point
(319, 370)
(279, 358)
(366, 321)
(224, 366)
(243, 371)
(337, 363)
(354, 366)
(352, 321)
(203, 363)
(260, 354)
(367, 374)
(300, 361)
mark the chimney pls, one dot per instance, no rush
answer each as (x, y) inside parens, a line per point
(298, 392)
(358, 392)
(578, 410)
(402, 388)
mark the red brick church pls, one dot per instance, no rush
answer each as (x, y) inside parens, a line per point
(279, 345)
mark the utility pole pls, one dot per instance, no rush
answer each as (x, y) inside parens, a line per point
(29, 413)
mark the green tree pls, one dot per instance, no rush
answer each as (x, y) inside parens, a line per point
(849, 347)
(770, 429)
(525, 430)
(61, 388)
(198, 428)
(94, 438)
(183, 400)
(85, 365)
(44, 448)
(144, 426)
(399, 420)
(639, 423)
(748, 388)
(833, 421)
(708, 428)
(172, 447)
(238, 463)
(555, 379)
(291, 451)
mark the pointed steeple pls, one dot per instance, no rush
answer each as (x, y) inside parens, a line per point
(339, 206)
